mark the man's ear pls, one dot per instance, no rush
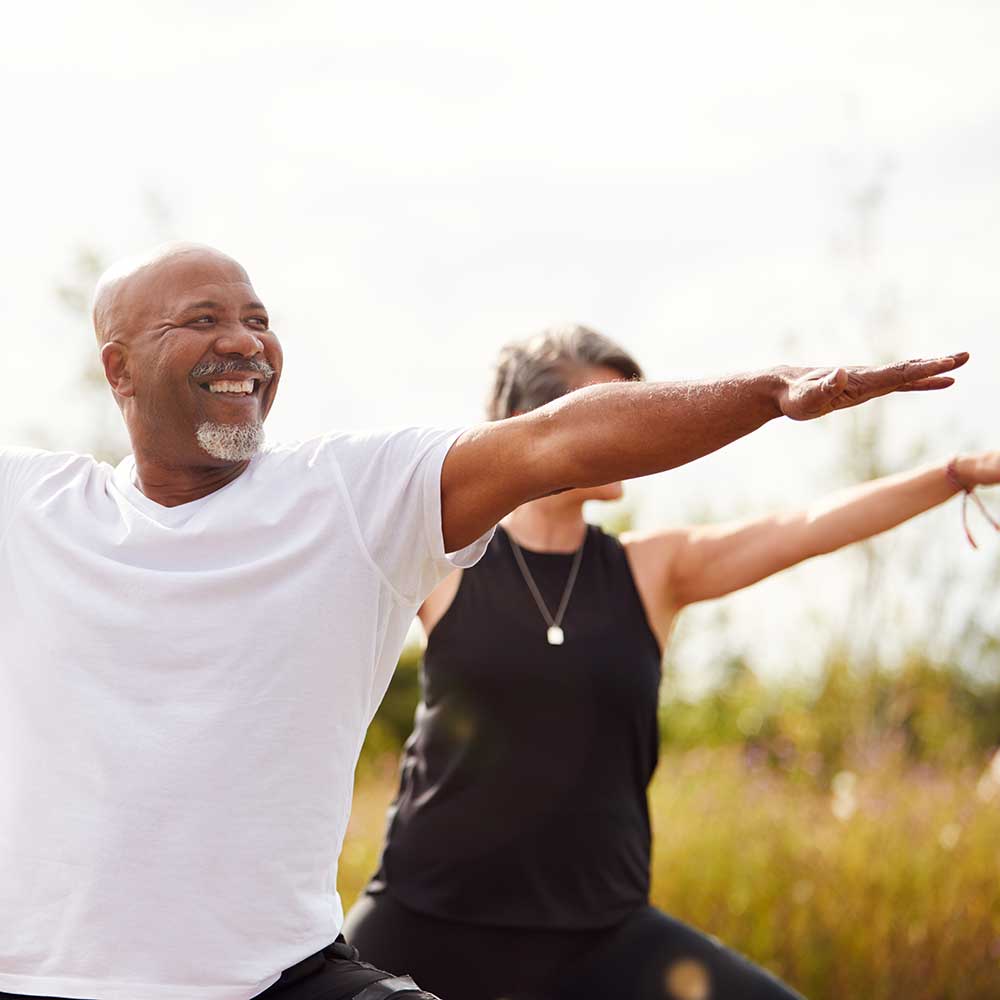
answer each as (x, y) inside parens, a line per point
(116, 369)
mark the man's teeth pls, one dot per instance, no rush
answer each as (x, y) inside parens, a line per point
(246, 386)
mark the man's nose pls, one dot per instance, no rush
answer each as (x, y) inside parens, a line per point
(235, 338)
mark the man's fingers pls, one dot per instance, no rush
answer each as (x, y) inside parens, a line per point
(835, 381)
(895, 376)
(915, 371)
(937, 382)
(823, 389)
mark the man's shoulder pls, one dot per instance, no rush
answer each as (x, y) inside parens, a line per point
(26, 470)
(38, 461)
(354, 446)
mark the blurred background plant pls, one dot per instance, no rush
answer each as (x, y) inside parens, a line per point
(95, 409)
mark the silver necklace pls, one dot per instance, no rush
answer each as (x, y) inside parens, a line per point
(555, 634)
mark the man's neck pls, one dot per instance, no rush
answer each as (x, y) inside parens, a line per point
(172, 485)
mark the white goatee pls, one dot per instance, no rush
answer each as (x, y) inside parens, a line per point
(231, 442)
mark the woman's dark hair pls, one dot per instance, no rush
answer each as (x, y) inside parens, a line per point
(535, 371)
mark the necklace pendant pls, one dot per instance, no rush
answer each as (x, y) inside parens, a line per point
(555, 635)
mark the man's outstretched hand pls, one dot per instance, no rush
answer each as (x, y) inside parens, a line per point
(810, 393)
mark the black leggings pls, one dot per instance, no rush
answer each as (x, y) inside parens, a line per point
(649, 956)
(335, 973)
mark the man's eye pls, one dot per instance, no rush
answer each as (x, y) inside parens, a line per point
(258, 321)
(202, 320)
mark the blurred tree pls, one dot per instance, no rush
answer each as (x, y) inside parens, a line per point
(872, 315)
(106, 437)
(871, 447)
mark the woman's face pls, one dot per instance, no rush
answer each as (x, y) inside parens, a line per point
(595, 375)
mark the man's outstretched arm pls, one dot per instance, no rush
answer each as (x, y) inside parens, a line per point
(615, 431)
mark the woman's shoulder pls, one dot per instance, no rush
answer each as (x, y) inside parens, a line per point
(439, 600)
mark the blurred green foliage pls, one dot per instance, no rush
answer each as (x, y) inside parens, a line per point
(394, 719)
(934, 713)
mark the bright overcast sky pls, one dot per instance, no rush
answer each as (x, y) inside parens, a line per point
(717, 185)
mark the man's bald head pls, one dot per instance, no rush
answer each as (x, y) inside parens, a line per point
(130, 287)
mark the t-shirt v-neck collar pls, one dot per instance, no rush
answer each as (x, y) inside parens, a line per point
(124, 482)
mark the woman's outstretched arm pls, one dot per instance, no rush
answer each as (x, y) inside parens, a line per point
(700, 562)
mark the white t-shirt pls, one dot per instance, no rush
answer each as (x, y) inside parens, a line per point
(183, 695)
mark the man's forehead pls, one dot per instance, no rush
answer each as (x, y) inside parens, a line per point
(140, 289)
(167, 290)
(189, 278)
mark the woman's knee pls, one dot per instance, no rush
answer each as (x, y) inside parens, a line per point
(653, 955)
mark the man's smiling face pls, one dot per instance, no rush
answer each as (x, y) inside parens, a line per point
(188, 350)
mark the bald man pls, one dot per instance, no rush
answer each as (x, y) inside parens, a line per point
(194, 642)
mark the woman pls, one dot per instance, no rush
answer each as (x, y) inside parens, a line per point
(516, 861)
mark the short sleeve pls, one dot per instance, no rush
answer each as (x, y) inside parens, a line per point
(393, 482)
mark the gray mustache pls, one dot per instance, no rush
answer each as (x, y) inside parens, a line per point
(208, 369)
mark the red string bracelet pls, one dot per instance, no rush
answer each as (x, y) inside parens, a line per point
(968, 491)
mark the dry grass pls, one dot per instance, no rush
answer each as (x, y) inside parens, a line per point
(884, 885)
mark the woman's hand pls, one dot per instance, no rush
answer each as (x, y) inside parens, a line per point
(981, 469)
(811, 393)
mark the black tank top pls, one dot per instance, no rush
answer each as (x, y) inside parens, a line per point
(522, 800)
